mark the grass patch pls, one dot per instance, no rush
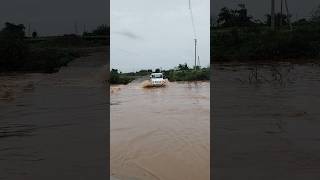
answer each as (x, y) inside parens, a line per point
(49, 60)
(119, 78)
(202, 74)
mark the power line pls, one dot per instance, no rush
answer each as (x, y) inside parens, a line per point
(192, 20)
(195, 53)
(29, 30)
(272, 15)
(76, 27)
(194, 34)
(288, 14)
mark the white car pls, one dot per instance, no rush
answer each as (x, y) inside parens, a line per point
(157, 79)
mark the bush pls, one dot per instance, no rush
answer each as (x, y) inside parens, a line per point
(188, 75)
(119, 78)
(264, 44)
(49, 60)
(19, 54)
(13, 48)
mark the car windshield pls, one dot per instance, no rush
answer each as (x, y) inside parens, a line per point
(156, 76)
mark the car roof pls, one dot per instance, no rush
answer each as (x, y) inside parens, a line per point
(156, 73)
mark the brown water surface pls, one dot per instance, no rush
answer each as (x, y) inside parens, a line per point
(266, 128)
(160, 133)
(54, 126)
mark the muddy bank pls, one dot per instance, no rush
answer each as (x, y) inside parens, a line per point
(266, 128)
(55, 125)
(160, 133)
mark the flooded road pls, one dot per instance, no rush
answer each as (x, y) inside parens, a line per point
(160, 133)
(53, 126)
(266, 128)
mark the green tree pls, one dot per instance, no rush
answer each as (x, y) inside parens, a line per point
(13, 48)
(278, 18)
(157, 70)
(34, 34)
(101, 30)
(114, 76)
(234, 17)
(13, 31)
(183, 67)
(316, 15)
(225, 17)
(242, 18)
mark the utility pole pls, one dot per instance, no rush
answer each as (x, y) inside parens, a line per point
(198, 61)
(84, 29)
(272, 15)
(288, 14)
(29, 27)
(195, 53)
(281, 13)
(76, 27)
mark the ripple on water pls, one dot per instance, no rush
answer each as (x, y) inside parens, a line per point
(154, 126)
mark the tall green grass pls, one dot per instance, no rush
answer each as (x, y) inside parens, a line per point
(200, 74)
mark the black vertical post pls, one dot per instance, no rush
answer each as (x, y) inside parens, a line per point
(281, 13)
(272, 15)
(288, 14)
(195, 53)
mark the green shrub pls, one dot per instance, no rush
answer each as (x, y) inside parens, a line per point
(13, 48)
(119, 78)
(188, 75)
(252, 44)
(16, 54)
(49, 60)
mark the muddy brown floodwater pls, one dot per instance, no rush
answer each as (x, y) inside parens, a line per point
(266, 129)
(54, 126)
(160, 133)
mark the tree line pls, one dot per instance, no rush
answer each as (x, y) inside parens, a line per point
(17, 53)
(238, 17)
(237, 36)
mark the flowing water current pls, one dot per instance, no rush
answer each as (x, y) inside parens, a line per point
(265, 125)
(160, 133)
(54, 126)
(266, 121)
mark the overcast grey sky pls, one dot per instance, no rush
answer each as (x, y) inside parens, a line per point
(158, 33)
(259, 8)
(51, 17)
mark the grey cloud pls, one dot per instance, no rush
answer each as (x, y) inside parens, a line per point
(165, 28)
(128, 34)
(52, 17)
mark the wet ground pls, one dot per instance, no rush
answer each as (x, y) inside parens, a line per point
(266, 124)
(53, 126)
(160, 133)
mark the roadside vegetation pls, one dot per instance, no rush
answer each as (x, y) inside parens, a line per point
(180, 73)
(117, 77)
(183, 73)
(236, 36)
(19, 53)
